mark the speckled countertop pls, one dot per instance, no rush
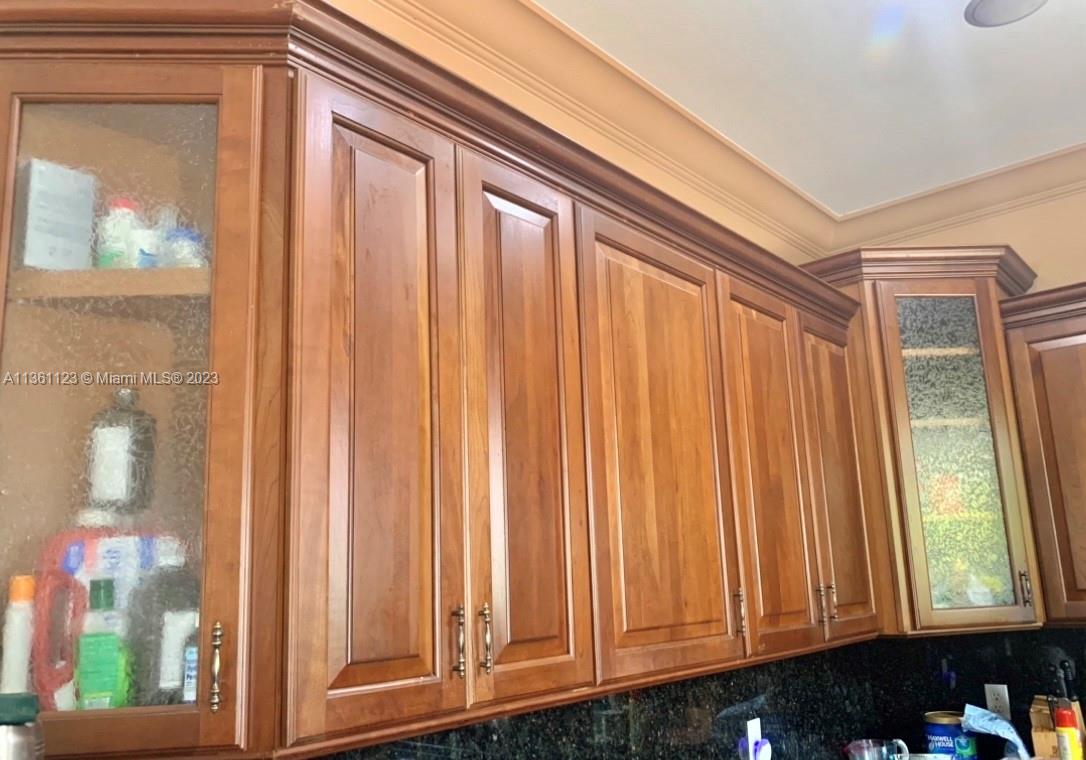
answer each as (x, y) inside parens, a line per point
(811, 706)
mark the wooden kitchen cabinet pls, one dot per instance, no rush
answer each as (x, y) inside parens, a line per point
(786, 599)
(382, 442)
(530, 603)
(667, 563)
(1046, 340)
(150, 499)
(956, 525)
(837, 478)
(495, 426)
(376, 572)
(798, 477)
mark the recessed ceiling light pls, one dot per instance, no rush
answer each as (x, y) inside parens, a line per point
(1000, 12)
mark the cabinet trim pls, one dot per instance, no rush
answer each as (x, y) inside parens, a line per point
(1001, 262)
(1044, 306)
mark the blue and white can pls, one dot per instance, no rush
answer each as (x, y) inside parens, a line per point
(943, 731)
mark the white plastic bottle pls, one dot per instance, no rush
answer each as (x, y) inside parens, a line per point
(18, 632)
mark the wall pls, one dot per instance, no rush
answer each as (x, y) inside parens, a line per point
(811, 706)
(1050, 236)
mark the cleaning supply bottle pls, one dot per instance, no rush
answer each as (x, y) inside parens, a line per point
(163, 619)
(101, 673)
(101, 545)
(113, 250)
(18, 633)
(1068, 738)
(121, 455)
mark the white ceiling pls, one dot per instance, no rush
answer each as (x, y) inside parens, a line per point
(857, 102)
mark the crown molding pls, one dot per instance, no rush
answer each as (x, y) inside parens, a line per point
(1030, 183)
(978, 215)
(1045, 306)
(999, 262)
(716, 182)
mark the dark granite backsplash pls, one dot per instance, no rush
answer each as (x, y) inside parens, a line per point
(810, 706)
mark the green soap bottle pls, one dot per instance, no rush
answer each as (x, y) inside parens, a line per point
(102, 661)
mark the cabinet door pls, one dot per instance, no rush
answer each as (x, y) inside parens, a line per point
(125, 406)
(1049, 364)
(376, 568)
(835, 476)
(664, 530)
(785, 597)
(528, 511)
(958, 474)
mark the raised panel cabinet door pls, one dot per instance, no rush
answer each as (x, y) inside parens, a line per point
(945, 369)
(530, 602)
(785, 597)
(125, 476)
(835, 480)
(376, 567)
(666, 556)
(1049, 366)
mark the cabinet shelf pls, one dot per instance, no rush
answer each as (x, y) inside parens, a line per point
(939, 352)
(42, 285)
(947, 422)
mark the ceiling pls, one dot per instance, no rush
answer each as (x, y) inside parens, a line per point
(856, 103)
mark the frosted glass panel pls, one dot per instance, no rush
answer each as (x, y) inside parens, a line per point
(961, 506)
(104, 382)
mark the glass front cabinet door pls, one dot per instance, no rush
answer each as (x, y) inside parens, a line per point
(958, 479)
(126, 262)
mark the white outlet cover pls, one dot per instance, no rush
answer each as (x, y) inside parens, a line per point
(998, 699)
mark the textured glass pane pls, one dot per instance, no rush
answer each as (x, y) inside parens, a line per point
(960, 502)
(103, 400)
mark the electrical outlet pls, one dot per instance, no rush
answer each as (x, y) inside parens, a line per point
(999, 701)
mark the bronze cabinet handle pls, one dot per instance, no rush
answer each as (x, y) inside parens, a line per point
(833, 601)
(215, 701)
(487, 663)
(1027, 588)
(821, 591)
(460, 669)
(741, 611)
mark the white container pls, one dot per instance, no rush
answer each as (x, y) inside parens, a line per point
(144, 244)
(55, 216)
(177, 627)
(18, 632)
